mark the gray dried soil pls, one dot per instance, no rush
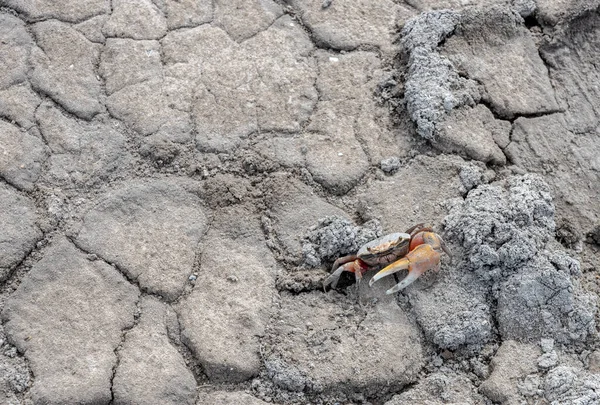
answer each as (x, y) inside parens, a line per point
(177, 177)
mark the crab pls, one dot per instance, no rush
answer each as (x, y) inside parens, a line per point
(416, 250)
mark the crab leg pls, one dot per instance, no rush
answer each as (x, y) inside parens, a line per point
(413, 230)
(358, 267)
(333, 278)
(445, 248)
(343, 260)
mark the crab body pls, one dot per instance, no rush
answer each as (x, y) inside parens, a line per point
(416, 250)
(385, 249)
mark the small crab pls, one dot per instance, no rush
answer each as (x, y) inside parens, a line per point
(417, 250)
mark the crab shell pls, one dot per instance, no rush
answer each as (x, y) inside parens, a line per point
(386, 249)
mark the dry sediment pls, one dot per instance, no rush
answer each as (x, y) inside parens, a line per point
(178, 176)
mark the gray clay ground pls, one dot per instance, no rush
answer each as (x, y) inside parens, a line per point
(177, 176)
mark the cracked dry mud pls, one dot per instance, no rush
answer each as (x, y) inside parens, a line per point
(177, 176)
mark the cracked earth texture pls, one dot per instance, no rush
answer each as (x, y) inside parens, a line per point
(177, 176)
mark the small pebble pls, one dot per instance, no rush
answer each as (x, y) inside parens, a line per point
(390, 165)
(548, 360)
(547, 345)
(594, 362)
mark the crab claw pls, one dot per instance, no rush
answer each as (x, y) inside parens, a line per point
(417, 262)
(357, 266)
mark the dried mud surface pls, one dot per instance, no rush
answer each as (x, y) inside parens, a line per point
(177, 177)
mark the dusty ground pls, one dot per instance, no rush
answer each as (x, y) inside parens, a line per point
(178, 175)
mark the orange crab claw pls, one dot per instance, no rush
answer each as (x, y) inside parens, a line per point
(432, 239)
(417, 262)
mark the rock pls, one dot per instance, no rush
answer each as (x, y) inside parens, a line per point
(530, 386)
(244, 19)
(433, 86)
(525, 8)
(559, 381)
(553, 12)
(338, 165)
(567, 147)
(548, 360)
(150, 230)
(126, 61)
(285, 85)
(228, 398)
(390, 165)
(15, 376)
(347, 25)
(18, 104)
(82, 153)
(570, 70)
(286, 150)
(266, 82)
(92, 28)
(150, 369)
(506, 231)
(508, 65)
(53, 318)
(186, 13)
(68, 12)
(349, 113)
(333, 154)
(439, 389)
(471, 176)
(234, 289)
(544, 302)
(335, 237)
(503, 226)
(476, 133)
(544, 145)
(594, 362)
(435, 178)
(452, 314)
(511, 364)
(22, 157)
(225, 84)
(225, 189)
(218, 135)
(343, 349)
(68, 76)
(547, 345)
(292, 207)
(568, 385)
(350, 76)
(136, 19)
(19, 229)
(15, 49)
(156, 106)
(428, 5)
